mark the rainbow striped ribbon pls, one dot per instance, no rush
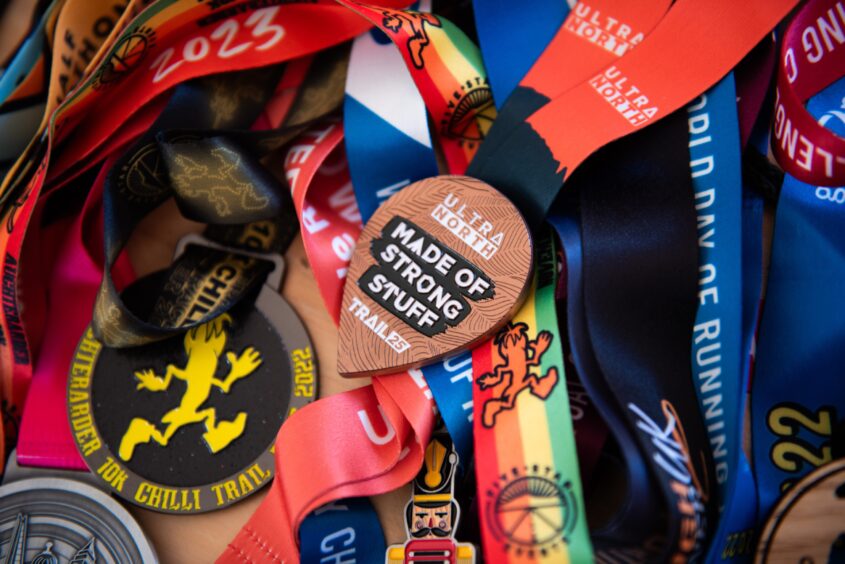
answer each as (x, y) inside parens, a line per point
(530, 499)
(449, 73)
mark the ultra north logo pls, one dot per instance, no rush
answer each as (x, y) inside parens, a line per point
(188, 424)
(514, 375)
(532, 511)
(204, 346)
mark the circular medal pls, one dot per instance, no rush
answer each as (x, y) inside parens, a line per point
(188, 424)
(806, 524)
(60, 520)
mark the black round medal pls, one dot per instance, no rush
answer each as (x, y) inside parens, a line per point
(188, 424)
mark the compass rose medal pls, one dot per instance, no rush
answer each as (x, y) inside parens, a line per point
(188, 424)
(432, 515)
(440, 266)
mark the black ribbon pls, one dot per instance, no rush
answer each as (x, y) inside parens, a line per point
(201, 152)
(139, 182)
(516, 161)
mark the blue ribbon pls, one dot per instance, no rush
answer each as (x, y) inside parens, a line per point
(798, 391)
(388, 144)
(717, 352)
(641, 506)
(512, 35)
(735, 538)
(450, 382)
(342, 532)
(21, 123)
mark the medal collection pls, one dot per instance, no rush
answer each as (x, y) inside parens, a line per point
(580, 261)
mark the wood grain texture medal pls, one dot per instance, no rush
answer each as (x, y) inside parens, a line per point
(808, 523)
(439, 267)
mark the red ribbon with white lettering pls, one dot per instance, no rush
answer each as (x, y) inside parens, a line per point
(812, 58)
(315, 167)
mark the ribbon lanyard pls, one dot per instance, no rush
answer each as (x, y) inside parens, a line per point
(622, 533)
(67, 20)
(523, 433)
(805, 148)
(639, 294)
(592, 36)
(718, 347)
(45, 436)
(197, 198)
(512, 36)
(621, 98)
(797, 392)
(388, 144)
(22, 89)
(342, 531)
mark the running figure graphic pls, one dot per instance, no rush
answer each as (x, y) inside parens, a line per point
(203, 344)
(514, 376)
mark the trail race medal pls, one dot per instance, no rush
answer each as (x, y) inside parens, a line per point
(440, 266)
(432, 515)
(62, 521)
(187, 425)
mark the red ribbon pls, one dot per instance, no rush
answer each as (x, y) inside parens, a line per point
(812, 58)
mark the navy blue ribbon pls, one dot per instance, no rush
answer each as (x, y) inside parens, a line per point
(342, 532)
(637, 516)
(640, 271)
